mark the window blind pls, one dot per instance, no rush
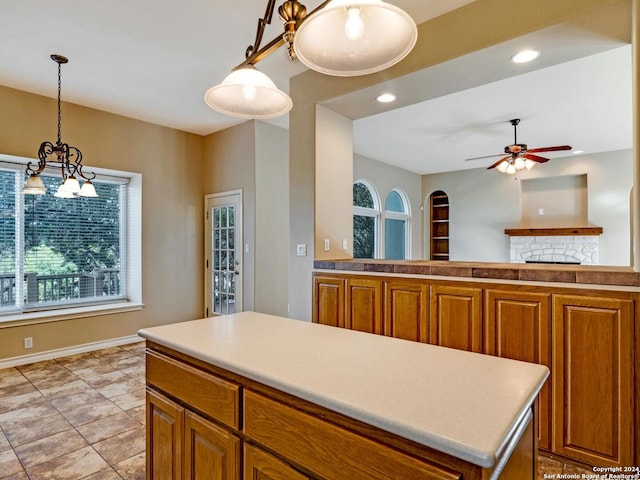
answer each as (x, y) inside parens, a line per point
(58, 252)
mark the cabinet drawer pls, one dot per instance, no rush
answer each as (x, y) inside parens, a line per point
(260, 465)
(298, 437)
(207, 393)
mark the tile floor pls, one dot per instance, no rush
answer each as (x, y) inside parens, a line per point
(77, 417)
(82, 417)
(554, 467)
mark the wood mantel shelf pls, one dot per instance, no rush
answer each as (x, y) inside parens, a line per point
(552, 231)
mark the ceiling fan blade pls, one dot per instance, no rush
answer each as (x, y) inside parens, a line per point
(549, 149)
(535, 158)
(499, 162)
(480, 158)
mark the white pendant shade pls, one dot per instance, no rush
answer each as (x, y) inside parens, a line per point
(88, 190)
(348, 38)
(63, 193)
(248, 93)
(70, 185)
(34, 186)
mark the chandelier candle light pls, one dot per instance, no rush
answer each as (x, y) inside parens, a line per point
(67, 158)
(340, 38)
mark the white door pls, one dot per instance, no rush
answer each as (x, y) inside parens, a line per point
(223, 252)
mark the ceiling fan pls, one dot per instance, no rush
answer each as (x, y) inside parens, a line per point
(519, 156)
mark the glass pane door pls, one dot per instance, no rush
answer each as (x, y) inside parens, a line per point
(224, 272)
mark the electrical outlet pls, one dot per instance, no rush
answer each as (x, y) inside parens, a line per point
(541, 211)
(327, 246)
(28, 342)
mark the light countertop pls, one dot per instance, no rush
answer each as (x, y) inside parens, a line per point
(464, 404)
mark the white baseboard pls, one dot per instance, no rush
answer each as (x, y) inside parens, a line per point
(65, 352)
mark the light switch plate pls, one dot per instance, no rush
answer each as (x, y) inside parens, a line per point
(302, 250)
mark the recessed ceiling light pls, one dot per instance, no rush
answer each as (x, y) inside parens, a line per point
(577, 152)
(525, 56)
(386, 98)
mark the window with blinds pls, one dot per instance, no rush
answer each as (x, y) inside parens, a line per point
(56, 252)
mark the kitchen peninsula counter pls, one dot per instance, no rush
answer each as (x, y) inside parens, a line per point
(570, 275)
(450, 411)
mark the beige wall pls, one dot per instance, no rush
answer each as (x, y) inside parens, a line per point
(472, 27)
(482, 203)
(560, 201)
(272, 220)
(333, 180)
(172, 240)
(229, 164)
(254, 157)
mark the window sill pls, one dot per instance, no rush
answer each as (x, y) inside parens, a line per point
(33, 318)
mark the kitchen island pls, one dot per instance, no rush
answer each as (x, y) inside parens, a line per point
(251, 394)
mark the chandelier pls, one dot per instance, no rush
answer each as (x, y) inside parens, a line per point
(340, 37)
(63, 156)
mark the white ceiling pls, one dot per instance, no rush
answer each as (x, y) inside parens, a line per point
(147, 59)
(154, 60)
(585, 103)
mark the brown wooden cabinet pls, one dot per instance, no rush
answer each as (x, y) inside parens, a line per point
(517, 326)
(210, 451)
(183, 445)
(406, 310)
(328, 300)
(363, 310)
(593, 379)
(259, 465)
(586, 408)
(165, 425)
(286, 438)
(455, 317)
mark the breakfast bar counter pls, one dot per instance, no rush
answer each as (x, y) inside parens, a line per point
(324, 402)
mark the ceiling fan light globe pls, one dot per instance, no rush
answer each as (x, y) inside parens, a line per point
(510, 170)
(248, 93)
(502, 166)
(519, 163)
(327, 43)
(529, 164)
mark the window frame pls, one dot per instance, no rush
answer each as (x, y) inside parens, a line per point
(405, 216)
(374, 212)
(131, 253)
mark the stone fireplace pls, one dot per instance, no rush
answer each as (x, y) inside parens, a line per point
(554, 245)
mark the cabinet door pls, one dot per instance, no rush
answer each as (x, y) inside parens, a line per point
(364, 305)
(592, 379)
(328, 300)
(165, 420)
(455, 317)
(210, 451)
(516, 325)
(259, 465)
(406, 307)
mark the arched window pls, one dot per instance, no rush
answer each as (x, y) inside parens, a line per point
(396, 226)
(366, 214)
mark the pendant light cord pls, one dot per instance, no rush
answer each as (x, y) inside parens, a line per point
(59, 115)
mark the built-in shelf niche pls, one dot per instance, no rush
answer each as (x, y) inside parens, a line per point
(558, 202)
(439, 231)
